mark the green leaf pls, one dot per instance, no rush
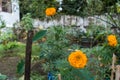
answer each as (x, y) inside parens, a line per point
(3, 77)
(20, 67)
(39, 35)
(85, 74)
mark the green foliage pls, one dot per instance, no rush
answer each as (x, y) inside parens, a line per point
(10, 45)
(39, 35)
(107, 4)
(93, 7)
(55, 52)
(6, 35)
(1, 50)
(94, 35)
(17, 49)
(88, 7)
(98, 67)
(36, 7)
(98, 7)
(10, 49)
(56, 44)
(69, 73)
(55, 47)
(3, 77)
(73, 7)
(70, 7)
(35, 76)
(98, 33)
(3, 25)
(114, 21)
(104, 52)
(27, 22)
(20, 67)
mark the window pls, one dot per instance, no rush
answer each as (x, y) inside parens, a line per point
(5, 6)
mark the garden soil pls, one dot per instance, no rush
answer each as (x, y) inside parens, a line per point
(8, 66)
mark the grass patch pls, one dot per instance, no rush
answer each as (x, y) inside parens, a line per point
(1, 50)
(17, 49)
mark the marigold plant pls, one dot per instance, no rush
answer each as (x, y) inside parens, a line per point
(112, 41)
(50, 11)
(77, 59)
(118, 8)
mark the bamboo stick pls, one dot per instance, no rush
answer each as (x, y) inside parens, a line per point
(113, 67)
(59, 77)
(117, 72)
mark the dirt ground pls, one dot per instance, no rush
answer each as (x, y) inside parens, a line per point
(8, 66)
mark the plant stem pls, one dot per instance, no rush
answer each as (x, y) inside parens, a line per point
(28, 55)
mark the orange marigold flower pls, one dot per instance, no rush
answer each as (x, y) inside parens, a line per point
(112, 41)
(50, 11)
(77, 59)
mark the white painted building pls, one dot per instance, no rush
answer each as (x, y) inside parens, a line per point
(9, 11)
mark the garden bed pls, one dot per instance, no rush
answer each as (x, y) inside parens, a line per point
(8, 66)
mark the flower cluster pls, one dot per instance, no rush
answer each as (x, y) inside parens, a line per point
(50, 11)
(112, 41)
(77, 59)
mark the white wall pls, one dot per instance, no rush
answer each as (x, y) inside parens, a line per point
(11, 18)
(72, 20)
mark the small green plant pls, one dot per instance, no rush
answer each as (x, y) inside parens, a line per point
(6, 35)
(35, 76)
(20, 67)
(55, 45)
(97, 33)
(10, 45)
(27, 22)
(3, 77)
(3, 24)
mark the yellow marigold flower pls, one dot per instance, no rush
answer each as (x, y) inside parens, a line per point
(50, 11)
(112, 41)
(77, 59)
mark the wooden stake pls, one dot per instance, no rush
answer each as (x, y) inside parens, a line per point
(28, 55)
(113, 66)
(117, 72)
(59, 76)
